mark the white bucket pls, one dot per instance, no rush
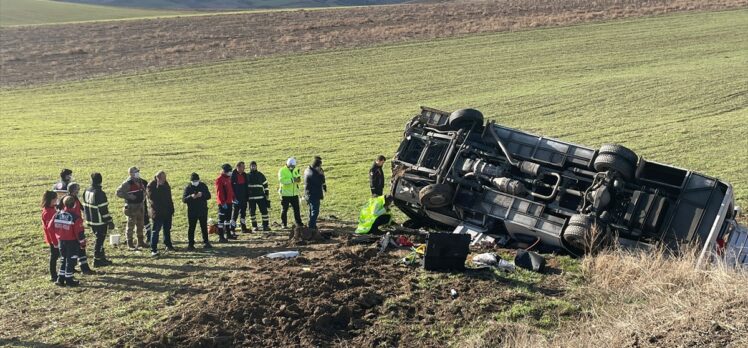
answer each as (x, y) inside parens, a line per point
(114, 239)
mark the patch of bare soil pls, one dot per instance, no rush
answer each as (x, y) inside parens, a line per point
(335, 294)
(42, 54)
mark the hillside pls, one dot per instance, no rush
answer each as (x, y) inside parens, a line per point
(235, 4)
(38, 55)
(634, 82)
(26, 12)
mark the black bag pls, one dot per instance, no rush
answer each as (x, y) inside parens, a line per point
(446, 251)
(529, 260)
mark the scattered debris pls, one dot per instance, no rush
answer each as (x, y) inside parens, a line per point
(385, 242)
(283, 255)
(446, 251)
(403, 241)
(114, 239)
(486, 259)
(493, 260)
(530, 260)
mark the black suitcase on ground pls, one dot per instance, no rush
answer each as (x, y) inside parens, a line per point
(446, 251)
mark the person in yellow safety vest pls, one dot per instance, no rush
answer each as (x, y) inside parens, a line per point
(290, 178)
(376, 213)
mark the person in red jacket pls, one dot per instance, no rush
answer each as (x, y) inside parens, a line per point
(66, 227)
(225, 199)
(48, 213)
(73, 191)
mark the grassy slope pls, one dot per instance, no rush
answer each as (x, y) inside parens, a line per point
(24, 12)
(672, 88)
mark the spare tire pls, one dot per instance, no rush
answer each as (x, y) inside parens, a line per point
(465, 119)
(435, 195)
(621, 151)
(605, 162)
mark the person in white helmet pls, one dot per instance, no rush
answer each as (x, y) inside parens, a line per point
(290, 178)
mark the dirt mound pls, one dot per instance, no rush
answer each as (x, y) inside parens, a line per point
(285, 303)
(302, 234)
(336, 294)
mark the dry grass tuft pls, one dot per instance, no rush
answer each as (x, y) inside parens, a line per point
(643, 299)
(649, 299)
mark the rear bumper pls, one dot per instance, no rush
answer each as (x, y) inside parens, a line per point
(735, 252)
(736, 248)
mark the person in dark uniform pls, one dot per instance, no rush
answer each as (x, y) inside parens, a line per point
(376, 177)
(258, 196)
(96, 208)
(196, 196)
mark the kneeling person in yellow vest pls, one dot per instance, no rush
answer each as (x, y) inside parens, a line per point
(375, 214)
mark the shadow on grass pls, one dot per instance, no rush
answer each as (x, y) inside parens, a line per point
(141, 272)
(129, 284)
(489, 274)
(20, 343)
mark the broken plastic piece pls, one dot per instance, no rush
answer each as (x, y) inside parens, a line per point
(485, 259)
(283, 255)
(529, 260)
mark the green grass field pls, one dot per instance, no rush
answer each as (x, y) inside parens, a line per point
(674, 89)
(27, 12)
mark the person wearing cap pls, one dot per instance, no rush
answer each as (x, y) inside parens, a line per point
(196, 196)
(239, 185)
(132, 191)
(77, 209)
(96, 209)
(65, 226)
(61, 187)
(289, 179)
(225, 199)
(376, 177)
(314, 189)
(161, 210)
(258, 196)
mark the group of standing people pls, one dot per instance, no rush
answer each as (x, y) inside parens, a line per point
(62, 217)
(149, 210)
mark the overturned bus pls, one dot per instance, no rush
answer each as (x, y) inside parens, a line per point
(452, 170)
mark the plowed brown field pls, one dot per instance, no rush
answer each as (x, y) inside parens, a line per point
(41, 54)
